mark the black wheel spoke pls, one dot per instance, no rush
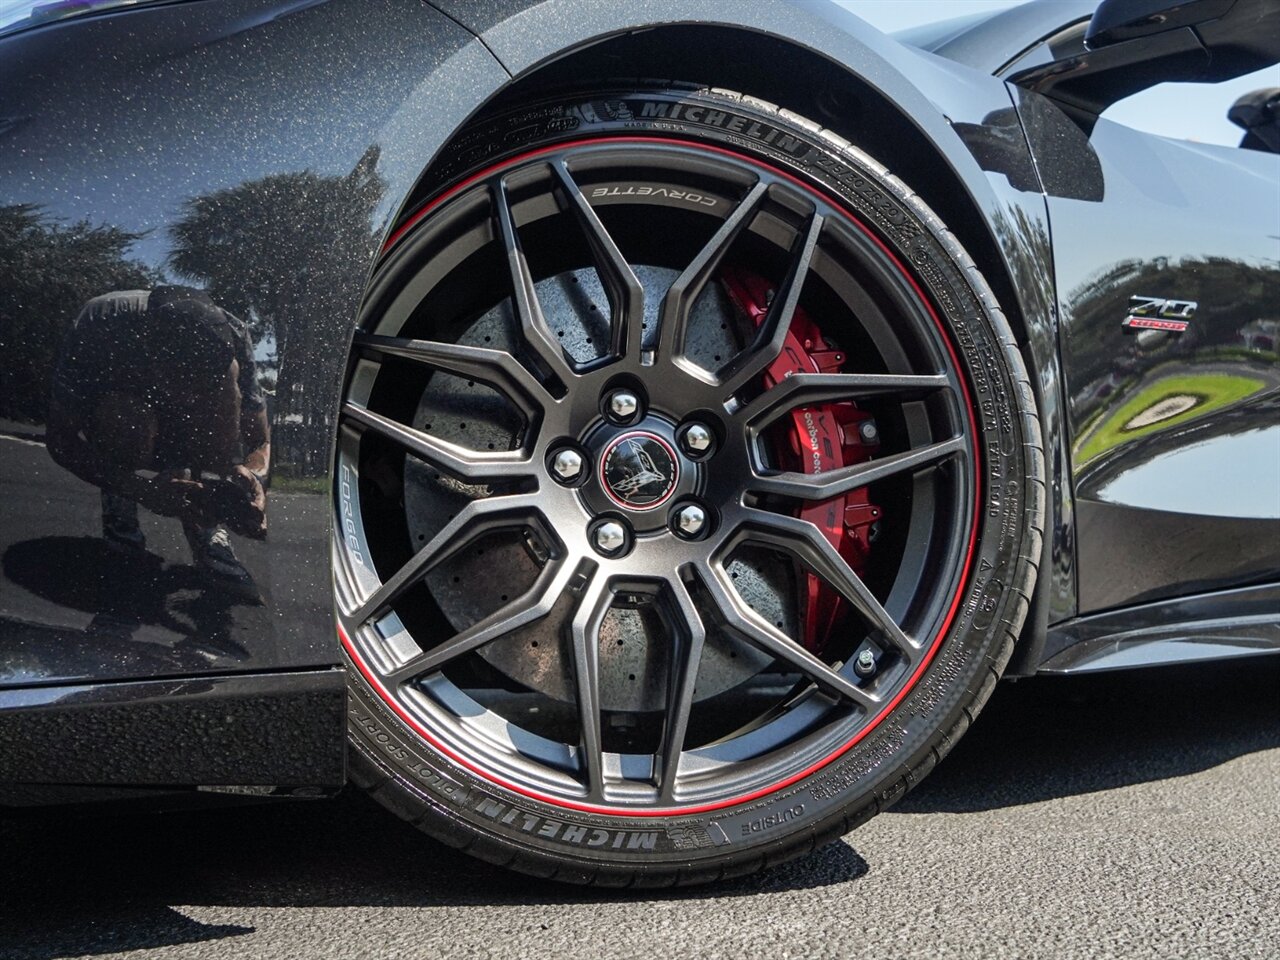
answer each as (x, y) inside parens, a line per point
(626, 295)
(805, 389)
(477, 518)
(806, 543)
(537, 334)
(497, 368)
(532, 605)
(834, 483)
(593, 604)
(739, 619)
(673, 317)
(749, 365)
(686, 656)
(458, 462)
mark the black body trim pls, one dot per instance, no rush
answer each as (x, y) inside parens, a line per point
(255, 734)
(1209, 626)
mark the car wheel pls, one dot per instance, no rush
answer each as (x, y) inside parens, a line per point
(689, 491)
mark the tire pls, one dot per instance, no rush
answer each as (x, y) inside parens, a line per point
(986, 552)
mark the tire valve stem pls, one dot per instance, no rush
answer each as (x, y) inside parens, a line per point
(865, 665)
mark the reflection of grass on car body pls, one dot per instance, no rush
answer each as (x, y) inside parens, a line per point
(1185, 397)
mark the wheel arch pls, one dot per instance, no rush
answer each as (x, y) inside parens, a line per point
(854, 80)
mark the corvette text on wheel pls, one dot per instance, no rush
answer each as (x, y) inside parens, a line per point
(625, 481)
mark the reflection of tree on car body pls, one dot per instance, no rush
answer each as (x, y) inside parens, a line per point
(164, 381)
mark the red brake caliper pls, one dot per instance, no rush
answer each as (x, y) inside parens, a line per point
(824, 437)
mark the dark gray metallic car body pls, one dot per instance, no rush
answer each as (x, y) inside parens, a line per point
(327, 112)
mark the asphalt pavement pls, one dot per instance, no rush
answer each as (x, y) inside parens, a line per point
(1122, 815)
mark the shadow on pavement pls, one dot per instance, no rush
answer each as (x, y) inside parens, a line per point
(1050, 737)
(87, 884)
(99, 884)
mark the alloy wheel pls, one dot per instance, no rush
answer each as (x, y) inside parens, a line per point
(570, 425)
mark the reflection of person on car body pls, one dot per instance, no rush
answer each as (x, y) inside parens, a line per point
(165, 381)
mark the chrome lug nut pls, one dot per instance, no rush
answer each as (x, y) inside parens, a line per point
(567, 465)
(865, 665)
(690, 520)
(623, 404)
(610, 537)
(697, 439)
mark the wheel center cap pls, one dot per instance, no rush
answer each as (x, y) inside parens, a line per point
(639, 470)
